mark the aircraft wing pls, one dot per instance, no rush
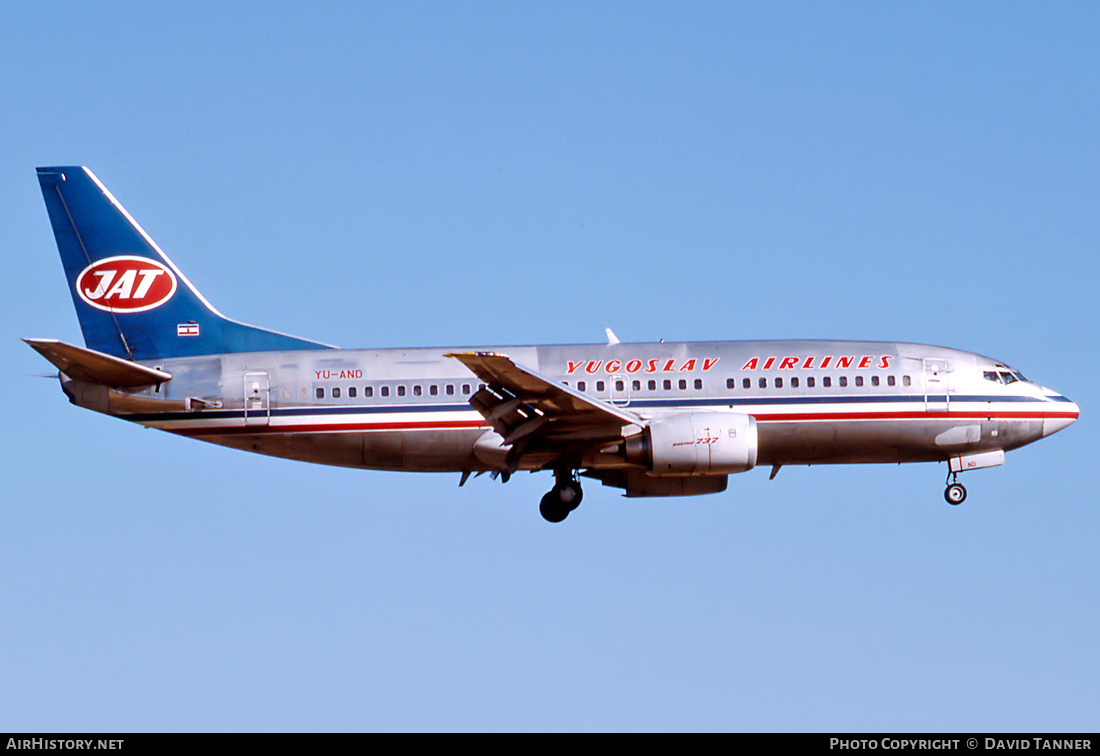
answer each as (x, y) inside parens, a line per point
(523, 405)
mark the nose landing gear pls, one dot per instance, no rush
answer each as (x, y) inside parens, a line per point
(955, 493)
(563, 498)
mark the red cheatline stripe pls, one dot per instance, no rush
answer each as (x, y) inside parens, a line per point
(760, 416)
(326, 427)
(783, 417)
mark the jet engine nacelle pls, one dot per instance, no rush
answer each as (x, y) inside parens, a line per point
(696, 443)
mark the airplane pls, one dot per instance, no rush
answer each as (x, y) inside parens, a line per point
(651, 419)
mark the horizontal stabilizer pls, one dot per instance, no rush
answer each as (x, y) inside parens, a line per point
(96, 367)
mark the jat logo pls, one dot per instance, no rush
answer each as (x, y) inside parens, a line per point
(126, 284)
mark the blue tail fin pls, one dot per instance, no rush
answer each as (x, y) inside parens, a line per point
(131, 300)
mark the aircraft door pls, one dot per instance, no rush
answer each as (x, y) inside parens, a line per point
(620, 390)
(937, 386)
(257, 399)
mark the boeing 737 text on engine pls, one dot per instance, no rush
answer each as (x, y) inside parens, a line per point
(665, 419)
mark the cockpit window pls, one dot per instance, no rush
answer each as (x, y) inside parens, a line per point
(1004, 375)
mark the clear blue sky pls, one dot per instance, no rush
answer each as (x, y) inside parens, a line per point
(407, 174)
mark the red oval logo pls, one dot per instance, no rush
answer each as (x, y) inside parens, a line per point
(126, 284)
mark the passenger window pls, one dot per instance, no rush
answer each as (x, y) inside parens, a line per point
(890, 380)
(843, 381)
(416, 391)
(779, 383)
(433, 390)
(730, 383)
(450, 389)
(746, 383)
(368, 391)
(599, 385)
(385, 391)
(827, 382)
(320, 393)
(874, 380)
(400, 390)
(794, 382)
(352, 391)
(620, 386)
(763, 383)
(336, 393)
(859, 380)
(698, 384)
(465, 388)
(652, 385)
(580, 385)
(683, 384)
(905, 381)
(636, 386)
(810, 382)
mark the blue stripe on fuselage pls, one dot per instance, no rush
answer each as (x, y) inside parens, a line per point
(710, 402)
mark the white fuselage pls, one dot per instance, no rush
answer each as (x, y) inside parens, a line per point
(814, 402)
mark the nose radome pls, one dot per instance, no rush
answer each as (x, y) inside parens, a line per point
(1063, 416)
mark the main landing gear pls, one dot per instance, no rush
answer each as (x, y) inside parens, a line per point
(955, 493)
(563, 498)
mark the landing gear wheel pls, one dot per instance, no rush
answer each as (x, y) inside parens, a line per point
(551, 508)
(563, 498)
(569, 495)
(955, 494)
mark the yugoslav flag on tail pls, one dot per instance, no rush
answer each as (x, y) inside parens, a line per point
(131, 300)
